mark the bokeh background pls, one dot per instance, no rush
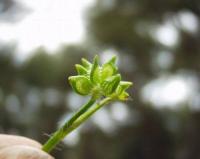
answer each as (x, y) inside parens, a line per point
(158, 45)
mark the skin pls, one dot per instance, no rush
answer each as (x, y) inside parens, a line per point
(17, 147)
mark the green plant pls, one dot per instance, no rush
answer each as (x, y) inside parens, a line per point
(102, 83)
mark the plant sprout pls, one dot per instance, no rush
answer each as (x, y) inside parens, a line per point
(102, 83)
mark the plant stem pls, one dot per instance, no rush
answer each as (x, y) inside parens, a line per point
(65, 130)
(56, 137)
(82, 110)
(90, 112)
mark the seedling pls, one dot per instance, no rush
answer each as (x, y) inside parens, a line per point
(102, 83)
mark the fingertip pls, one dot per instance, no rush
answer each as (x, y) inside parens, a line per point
(12, 140)
(23, 152)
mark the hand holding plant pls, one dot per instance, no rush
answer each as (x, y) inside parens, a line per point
(102, 83)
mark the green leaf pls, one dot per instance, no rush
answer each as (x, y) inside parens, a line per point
(95, 74)
(123, 85)
(81, 84)
(110, 84)
(109, 68)
(86, 63)
(80, 69)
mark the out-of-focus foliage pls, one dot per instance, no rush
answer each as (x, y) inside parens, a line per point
(33, 93)
(128, 27)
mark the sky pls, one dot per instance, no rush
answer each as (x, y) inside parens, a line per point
(171, 90)
(49, 23)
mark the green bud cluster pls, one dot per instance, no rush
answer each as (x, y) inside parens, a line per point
(99, 81)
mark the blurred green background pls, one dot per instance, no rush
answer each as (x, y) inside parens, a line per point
(158, 47)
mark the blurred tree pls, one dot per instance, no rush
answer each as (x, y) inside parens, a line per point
(131, 27)
(46, 70)
(8, 70)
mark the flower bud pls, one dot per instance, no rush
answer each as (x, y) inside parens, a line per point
(99, 81)
(123, 85)
(123, 96)
(86, 63)
(109, 68)
(113, 60)
(95, 74)
(81, 84)
(110, 84)
(80, 69)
